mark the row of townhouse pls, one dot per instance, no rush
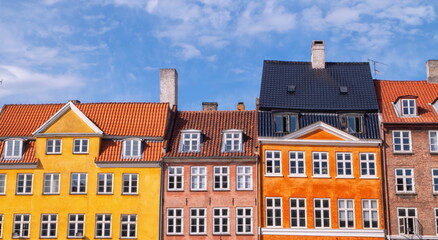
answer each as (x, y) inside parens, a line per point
(328, 154)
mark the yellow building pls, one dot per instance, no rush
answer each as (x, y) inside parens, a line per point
(87, 171)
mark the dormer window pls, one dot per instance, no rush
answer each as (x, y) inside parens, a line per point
(435, 105)
(190, 141)
(232, 141)
(13, 149)
(352, 123)
(132, 148)
(408, 107)
(285, 122)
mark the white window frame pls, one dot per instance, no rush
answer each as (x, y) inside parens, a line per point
(401, 138)
(103, 223)
(245, 219)
(52, 183)
(82, 144)
(403, 221)
(297, 163)
(233, 139)
(1, 225)
(190, 141)
(107, 183)
(273, 163)
(130, 183)
(221, 177)
(129, 148)
(198, 179)
(406, 103)
(175, 177)
(27, 180)
(346, 213)
(3, 181)
(13, 155)
(343, 159)
(320, 161)
(435, 210)
(433, 141)
(128, 220)
(322, 210)
(51, 146)
(404, 178)
(368, 211)
(300, 212)
(286, 123)
(274, 208)
(435, 180)
(244, 178)
(49, 225)
(80, 177)
(368, 166)
(22, 226)
(175, 219)
(74, 219)
(221, 219)
(197, 219)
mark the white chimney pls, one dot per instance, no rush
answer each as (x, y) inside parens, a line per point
(318, 54)
(432, 71)
(169, 86)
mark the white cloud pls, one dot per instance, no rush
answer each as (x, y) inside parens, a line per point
(188, 51)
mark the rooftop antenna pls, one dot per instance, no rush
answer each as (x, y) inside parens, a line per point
(374, 62)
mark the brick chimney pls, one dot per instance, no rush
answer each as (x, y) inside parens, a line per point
(240, 106)
(169, 86)
(318, 54)
(432, 71)
(209, 106)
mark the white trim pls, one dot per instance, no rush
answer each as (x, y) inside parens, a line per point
(273, 140)
(49, 222)
(75, 222)
(323, 232)
(232, 139)
(273, 208)
(129, 165)
(128, 223)
(21, 148)
(175, 176)
(103, 221)
(105, 185)
(322, 209)
(244, 216)
(4, 186)
(220, 175)
(430, 142)
(78, 191)
(345, 209)
(244, 181)
(273, 160)
(401, 141)
(69, 106)
(221, 219)
(320, 126)
(343, 162)
(296, 160)
(175, 233)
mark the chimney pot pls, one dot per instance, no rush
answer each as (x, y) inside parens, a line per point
(209, 106)
(318, 54)
(169, 86)
(240, 106)
(432, 71)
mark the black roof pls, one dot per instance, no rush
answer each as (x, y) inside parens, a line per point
(338, 87)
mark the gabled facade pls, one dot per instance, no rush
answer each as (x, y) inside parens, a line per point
(210, 176)
(320, 151)
(86, 171)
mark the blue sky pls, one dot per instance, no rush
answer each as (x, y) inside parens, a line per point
(52, 51)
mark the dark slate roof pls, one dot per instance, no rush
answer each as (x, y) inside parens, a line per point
(317, 89)
(371, 123)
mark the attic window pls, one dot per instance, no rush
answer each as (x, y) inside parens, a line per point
(232, 141)
(13, 149)
(190, 141)
(408, 107)
(343, 90)
(285, 122)
(290, 88)
(131, 148)
(352, 122)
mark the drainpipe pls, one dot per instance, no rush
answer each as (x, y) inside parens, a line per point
(386, 212)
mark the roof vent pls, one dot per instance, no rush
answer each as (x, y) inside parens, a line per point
(343, 90)
(290, 88)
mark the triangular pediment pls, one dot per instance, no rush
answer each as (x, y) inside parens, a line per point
(321, 131)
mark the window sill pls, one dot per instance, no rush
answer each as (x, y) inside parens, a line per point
(244, 189)
(402, 153)
(77, 153)
(78, 193)
(198, 190)
(407, 194)
(175, 190)
(245, 234)
(317, 176)
(50, 194)
(104, 193)
(56, 153)
(297, 176)
(221, 190)
(129, 194)
(369, 178)
(24, 194)
(344, 177)
(274, 175)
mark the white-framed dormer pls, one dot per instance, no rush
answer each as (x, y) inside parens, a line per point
(190, 140)
(132, 148)
(406, 106)
(435, 105)
(232, 140)
(13, 149)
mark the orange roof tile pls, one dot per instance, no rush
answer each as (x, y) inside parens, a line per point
(212, 124)
(111, 151)
(28, 155)
(389, 91)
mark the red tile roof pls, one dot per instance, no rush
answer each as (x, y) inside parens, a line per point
(111, 151)
(28, 156)
(212, 124)
(389, 91)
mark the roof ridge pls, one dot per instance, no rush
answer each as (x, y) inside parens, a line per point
(305, 62)
(215, 111)
(401, 81)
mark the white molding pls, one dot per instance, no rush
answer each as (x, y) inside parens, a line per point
(128, 165)
(272, 140)
(324, 232)
(321, 126)
(18, 166)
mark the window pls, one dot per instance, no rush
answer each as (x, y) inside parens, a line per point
(49, 224)
(221, 178)
(408, 107)
(175, 221)
(296, 164)
(436, 220)
(320, 164)
(433, 141)
(53, 146)
(273, 212)
(1, 225)
(198, 178)
(221, 221)
(128, 226)
(78, 183)
(232, 141)
(322, 213)
(24, 183)
(130, 183)
(407, 221)
(175, 181)
(21, 226)
(370, 213)
(352, 123)
(344, 165)
(80, 146)
(103, 225)
(76, 224)
(435, 180)
(131, 148)
(244, 178)
(286, 122)
(190, 141)
(197, 221)
(13, 149)
(404, 180)
(298, 212)
(105, 183)
(2, 184)
(402, 141)
(51, 183)
(346, 213)
(367, 164)
(273, 163)
(244, 220)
